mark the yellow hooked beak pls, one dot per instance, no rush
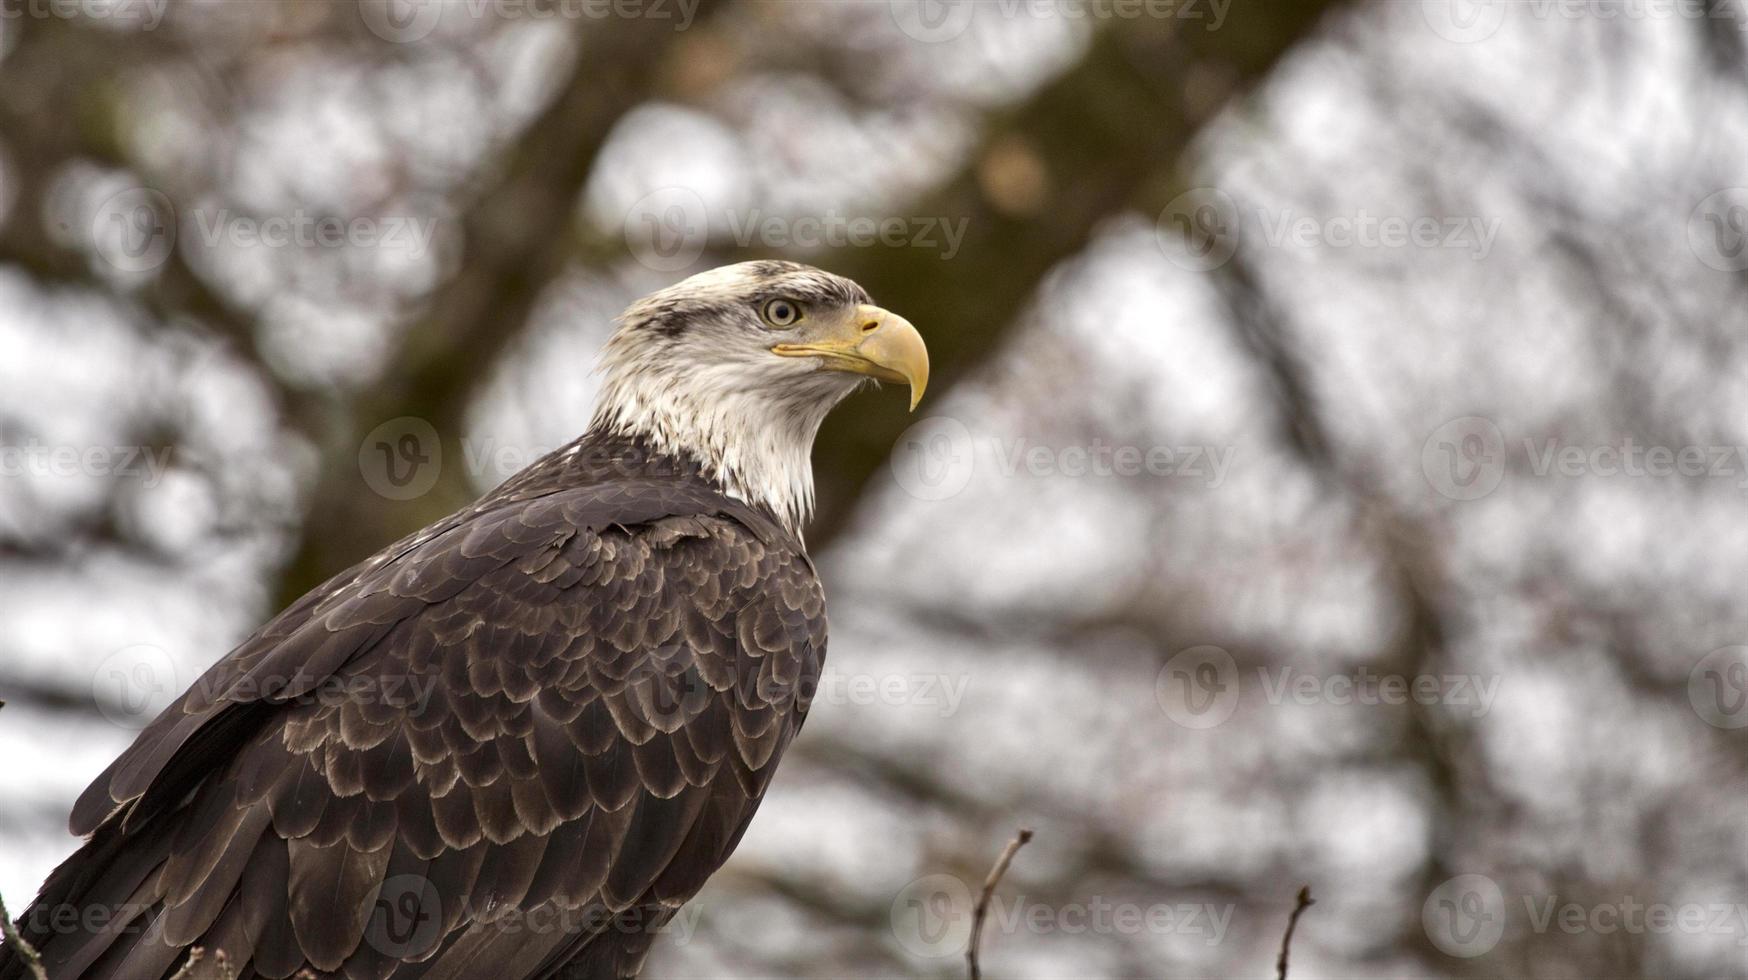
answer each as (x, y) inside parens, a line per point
(873, 342)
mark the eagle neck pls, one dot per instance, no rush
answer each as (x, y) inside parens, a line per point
(750, 448)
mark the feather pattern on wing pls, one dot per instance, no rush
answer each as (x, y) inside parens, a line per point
(486, 749)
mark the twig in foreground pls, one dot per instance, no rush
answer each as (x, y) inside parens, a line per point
(25, 951)
(995, 873)
(1304, 903)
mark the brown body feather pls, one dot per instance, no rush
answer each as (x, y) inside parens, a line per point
(510, 745)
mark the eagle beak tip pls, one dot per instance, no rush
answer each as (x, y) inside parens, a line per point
(875, 343)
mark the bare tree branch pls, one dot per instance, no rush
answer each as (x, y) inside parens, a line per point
(977, 916)
(519, 235)
(26, 951)
(1305, 901)
(1095, 164)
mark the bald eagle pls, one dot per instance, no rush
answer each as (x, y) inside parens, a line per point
(514, 743)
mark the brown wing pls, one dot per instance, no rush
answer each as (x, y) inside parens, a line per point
(492, 743)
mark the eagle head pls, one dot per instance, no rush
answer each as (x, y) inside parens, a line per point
(737, 367)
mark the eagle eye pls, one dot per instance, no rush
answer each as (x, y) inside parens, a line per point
(782, 312)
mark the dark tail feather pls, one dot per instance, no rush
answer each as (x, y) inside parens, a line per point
(89, 904)
(616, 953)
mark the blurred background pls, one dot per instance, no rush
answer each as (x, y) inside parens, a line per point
(1334, 472)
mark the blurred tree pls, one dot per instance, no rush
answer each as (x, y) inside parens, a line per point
(1608, 309)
